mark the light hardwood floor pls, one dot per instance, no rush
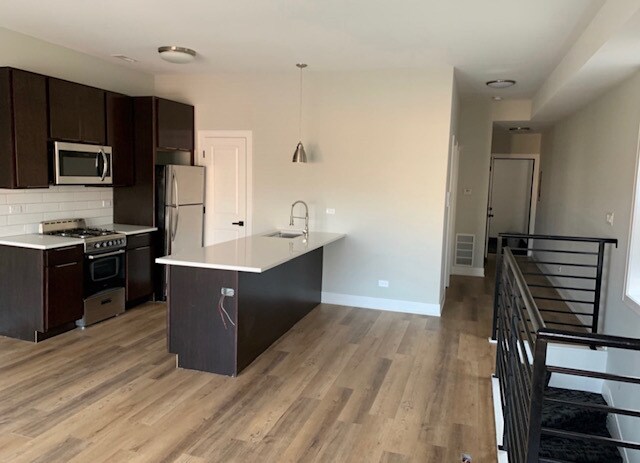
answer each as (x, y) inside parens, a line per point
(345, 385)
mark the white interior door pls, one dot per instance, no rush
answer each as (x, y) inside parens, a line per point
(226, 187)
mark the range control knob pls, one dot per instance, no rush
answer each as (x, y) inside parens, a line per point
(110, 243)
(97, 245)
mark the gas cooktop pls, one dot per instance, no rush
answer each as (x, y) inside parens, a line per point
(96, 240)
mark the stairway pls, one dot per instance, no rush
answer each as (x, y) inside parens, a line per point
(576, 419)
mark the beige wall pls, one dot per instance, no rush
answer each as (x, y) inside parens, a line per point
(24, 52)
(378, 144)
(475, 140)
(588, 163)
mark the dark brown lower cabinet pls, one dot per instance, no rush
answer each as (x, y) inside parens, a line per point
(139, 268)
(41, 291)
(63, 283)
(264, 307)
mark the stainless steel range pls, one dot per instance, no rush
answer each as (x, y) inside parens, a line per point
(104, 267)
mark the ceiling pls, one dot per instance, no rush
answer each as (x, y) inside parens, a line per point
(519, 39)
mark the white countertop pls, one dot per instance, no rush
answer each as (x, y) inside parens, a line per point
(256, 254)
(37, 241)
(129, 229)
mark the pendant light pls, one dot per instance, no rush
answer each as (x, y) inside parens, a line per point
(299, 155)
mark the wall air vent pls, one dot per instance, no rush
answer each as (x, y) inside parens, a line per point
(465, 245)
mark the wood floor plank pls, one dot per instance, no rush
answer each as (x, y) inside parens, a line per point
(344, 385)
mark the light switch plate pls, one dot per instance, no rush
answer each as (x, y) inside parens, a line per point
(331, 211)
(609, 218)
(16, 209)
(383, 283)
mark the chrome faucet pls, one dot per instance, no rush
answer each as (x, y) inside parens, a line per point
(305, 232)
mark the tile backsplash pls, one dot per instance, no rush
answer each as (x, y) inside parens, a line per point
(21, 211)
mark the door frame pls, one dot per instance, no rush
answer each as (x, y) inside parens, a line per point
(248, 136)
(535, 190)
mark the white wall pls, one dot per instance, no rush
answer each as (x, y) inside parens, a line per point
(475, 130)
(24, 52)
(378, 144)
(511, 196)
(588, 160)
(21, 211)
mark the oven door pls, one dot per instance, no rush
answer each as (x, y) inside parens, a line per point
(78, 164)
(103, 272)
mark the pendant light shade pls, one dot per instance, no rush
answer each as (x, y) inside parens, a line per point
(299, 154)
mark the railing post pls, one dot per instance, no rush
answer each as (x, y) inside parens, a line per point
(496, 291)
(598, 289)
(538, 381)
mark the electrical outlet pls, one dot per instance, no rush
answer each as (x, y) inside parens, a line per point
(331, 211)
(383, 283)
(106, 203)
(609, 218)
(16, 209)
(229, 292)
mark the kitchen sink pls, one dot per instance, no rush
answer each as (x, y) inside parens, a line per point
(287, 235)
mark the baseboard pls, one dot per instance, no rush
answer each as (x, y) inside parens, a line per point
(613, 420)
(498, 419)
(468, 271)
(378, 303)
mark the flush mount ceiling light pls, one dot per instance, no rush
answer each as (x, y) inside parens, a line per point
(501, 83)
(519, 129)
(497, 98)
(177, 55)
(299, 154)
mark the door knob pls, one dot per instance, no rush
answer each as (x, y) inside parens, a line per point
(241, 223)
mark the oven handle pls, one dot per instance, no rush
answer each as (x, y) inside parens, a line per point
(105, 164)
(108, 254)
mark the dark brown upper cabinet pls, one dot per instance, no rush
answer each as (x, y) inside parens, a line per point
(23, 130)
(119, 109)
(174, 125)
(76, 112)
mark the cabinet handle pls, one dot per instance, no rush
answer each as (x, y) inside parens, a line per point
(68, 248)
(65, 265)
(140, 249)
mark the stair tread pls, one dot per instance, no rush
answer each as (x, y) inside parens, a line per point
(573, 418)
(578, 451)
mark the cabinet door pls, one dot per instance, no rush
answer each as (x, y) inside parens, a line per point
(174, 125)
(64, 120)
(119, 113)
(30, 129)
(139, 273)
(92, 115)
(63, 294)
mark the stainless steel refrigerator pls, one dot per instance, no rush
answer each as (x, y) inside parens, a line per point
(179, 211)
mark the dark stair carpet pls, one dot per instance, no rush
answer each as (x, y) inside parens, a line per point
(576, 419)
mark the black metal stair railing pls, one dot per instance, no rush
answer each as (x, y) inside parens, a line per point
(571, 299)
(532, 433)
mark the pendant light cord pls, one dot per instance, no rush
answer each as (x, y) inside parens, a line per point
(300, 113)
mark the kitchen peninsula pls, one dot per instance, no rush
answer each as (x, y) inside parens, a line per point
(229, 302)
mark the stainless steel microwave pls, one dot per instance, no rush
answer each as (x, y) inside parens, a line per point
(80, 164)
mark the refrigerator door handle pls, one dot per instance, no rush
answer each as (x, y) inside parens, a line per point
(175, 224)
(174, 196)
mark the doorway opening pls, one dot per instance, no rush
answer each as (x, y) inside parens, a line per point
(513, 196)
